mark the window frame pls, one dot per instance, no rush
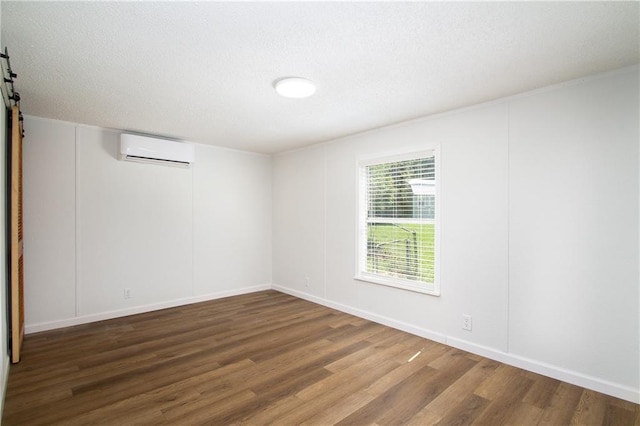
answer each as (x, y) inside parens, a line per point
(361, 215)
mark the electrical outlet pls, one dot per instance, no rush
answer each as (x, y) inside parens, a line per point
(306, 282)
(127, 293)
(466, 322)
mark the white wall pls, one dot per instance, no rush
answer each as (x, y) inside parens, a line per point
(539, 238)
(95, 225)
(232, 220)
(50, 241)
(299, 215)
(134, 228)
(573, 300)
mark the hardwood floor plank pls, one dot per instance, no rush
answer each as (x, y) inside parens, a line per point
(335, 392)
(504, 402)
(272, 391)
(416, 399)
(455, 395)
(405, 370)
(616, 415)
(497, 382)
(412, 394)
(362, 332)
(199, 411)
(275, 368)
(269, 358)
(424, 417)
(335, 389)
(371, 360)
(590, 409)
(120, 387)
(339, 409)
(542, 391)
(466, 411)
(28, 383)
(272, 412)
(562, 406)
(306, 336)
(527, 414)
(368, 356)
(332, 390)
(24, 402)
(138, 409)
(401, 396)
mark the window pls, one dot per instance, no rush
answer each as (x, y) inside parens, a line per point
(398, 221)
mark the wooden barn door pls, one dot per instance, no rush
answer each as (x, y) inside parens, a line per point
(16, 262)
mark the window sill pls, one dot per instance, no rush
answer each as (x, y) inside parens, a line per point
(396, 283)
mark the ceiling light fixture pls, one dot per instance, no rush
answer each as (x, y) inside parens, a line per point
(295, 87)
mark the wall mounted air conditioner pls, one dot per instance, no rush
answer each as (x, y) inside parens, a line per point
(151, 150)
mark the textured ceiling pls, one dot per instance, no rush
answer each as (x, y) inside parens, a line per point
(204, 72)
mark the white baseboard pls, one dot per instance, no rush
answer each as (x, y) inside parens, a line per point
(380, 319)
(558, 373)
(573, 377)
(51, 325)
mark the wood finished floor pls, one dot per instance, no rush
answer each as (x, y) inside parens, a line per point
(271, 358)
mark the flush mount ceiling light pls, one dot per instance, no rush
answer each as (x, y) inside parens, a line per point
(295, 87)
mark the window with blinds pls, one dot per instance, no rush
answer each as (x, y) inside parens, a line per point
(398, 230)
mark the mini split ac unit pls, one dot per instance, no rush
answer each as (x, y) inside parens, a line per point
(151, 150)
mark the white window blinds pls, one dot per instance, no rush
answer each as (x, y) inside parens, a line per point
(397, 220)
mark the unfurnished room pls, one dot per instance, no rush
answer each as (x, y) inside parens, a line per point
(320, 213)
